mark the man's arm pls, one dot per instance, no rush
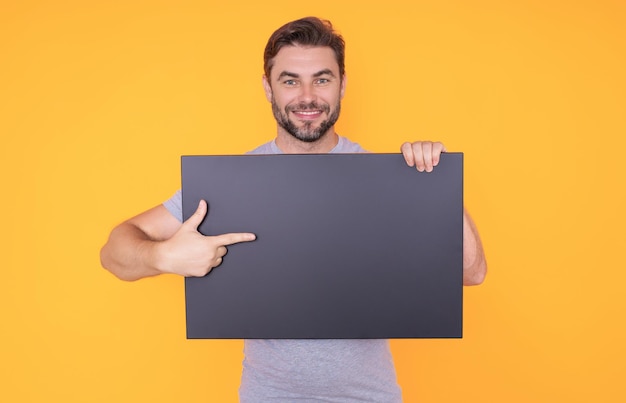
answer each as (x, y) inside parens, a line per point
(474, 263)
(424, 156)
(155, 242)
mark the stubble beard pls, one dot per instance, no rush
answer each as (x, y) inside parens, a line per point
(307, 133)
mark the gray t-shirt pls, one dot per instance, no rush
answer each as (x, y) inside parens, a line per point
(343, 371)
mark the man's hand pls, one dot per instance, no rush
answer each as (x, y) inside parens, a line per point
(191, 254)
(423, 155)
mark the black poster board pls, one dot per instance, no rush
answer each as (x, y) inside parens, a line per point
(348, 246)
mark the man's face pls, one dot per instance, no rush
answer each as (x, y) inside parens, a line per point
(305, 90)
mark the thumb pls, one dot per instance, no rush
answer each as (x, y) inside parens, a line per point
(197, 217)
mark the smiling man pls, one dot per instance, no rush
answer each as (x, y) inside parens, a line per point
(305, 81)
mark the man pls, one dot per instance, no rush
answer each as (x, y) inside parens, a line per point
(304, 81)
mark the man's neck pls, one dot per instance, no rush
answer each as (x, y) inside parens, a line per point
(291, 145)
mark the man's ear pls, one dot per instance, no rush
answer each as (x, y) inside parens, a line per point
(344, 80)
(268, 88)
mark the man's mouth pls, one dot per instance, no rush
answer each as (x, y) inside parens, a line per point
(307, 114)
(310, 111)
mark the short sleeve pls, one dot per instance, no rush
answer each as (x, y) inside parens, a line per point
(175, 205)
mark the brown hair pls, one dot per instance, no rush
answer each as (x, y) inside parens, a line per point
(309, 31)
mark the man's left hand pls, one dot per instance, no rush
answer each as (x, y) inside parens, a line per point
(423, 155)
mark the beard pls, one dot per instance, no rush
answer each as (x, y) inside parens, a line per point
(307, 132)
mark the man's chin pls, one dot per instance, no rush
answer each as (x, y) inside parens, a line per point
(307, 137)
(307, 133)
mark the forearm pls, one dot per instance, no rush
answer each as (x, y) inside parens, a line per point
(474, 262)
(130, 254)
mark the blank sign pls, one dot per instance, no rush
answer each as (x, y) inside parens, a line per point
(348, 246)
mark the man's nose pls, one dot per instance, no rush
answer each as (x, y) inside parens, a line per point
(307, 93)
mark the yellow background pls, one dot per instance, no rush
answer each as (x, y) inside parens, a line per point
(100, 99)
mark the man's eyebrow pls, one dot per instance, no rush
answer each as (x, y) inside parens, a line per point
(288, 74)
(315, 75)
(323, 73)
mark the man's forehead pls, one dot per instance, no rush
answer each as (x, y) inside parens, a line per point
(305, 60)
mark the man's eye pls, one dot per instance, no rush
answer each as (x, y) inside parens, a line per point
(323, 81)
(290, 82)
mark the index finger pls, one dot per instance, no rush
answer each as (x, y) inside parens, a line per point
(438, 149)
(235, 237)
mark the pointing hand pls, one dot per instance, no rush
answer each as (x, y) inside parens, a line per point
(191, 254)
